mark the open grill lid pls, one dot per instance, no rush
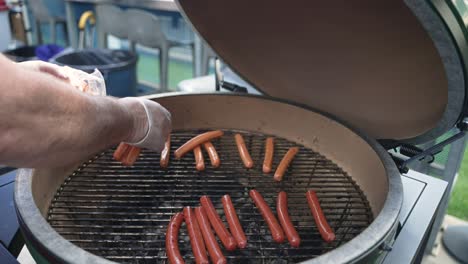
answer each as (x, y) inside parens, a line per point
(394, 69)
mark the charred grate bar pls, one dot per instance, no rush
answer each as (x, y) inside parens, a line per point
(121, 213)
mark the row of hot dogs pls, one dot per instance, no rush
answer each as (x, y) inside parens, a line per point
(201, 221)
(128, 154)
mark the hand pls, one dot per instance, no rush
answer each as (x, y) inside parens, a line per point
(151, 123)
(88, 83)
(44, 67)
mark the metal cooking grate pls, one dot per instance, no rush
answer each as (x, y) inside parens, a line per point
(121, 213)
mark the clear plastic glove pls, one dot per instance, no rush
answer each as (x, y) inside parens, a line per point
(151, 123)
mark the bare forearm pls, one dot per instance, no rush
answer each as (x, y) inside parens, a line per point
(43, 122)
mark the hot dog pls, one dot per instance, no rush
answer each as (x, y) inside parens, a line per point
(214, 158)
(197, 141)
(131, 156)
(216, 255)
(276, 230)
(166, 153)
(217, 224)
(325, 230)
(285, 221)
(200, 163)
(243, 152)
(284, 164)
(121, 150)
(172, 239)
(269, 150)
(233, 221)
(196, 239)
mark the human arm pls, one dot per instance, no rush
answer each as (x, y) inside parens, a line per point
(46, 123)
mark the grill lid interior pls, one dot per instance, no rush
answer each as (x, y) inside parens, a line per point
(389, 68)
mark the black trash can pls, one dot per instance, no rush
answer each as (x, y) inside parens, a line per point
(117, 66)
(25, 53)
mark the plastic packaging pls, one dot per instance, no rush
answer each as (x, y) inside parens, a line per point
(117, 66)
(90, 83)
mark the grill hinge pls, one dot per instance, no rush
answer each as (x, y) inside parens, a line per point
(414, 153)
(220, 82)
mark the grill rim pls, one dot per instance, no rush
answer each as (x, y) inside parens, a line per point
(44, 239)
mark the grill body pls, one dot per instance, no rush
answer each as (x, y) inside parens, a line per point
(356, 180)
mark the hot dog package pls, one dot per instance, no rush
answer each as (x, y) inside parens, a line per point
(90, 83)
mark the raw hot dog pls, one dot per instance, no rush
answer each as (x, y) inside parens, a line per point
(284, 164)
(121, 150)
(200, 163)
(269, 150)
(166, 153)
(214, 158)
(172, 239)
(196, 239)
(131, 156)
(217, 224)
(325, 230)
(285, 221)
(243, 152)
(197, 141)
(216, 255)
(276, 230)
(233, 221)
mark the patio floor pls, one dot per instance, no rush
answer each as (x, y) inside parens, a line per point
(439, 253)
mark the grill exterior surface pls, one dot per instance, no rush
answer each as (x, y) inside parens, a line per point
(121, 213)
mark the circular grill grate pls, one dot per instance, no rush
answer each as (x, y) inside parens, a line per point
(121, 213)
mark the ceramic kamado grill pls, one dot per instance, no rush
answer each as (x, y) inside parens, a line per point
(345, 81)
